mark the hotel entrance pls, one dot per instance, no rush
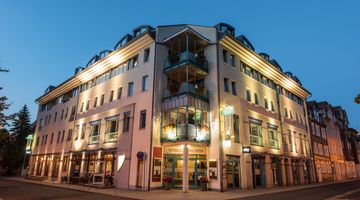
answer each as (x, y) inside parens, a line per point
(174, 167)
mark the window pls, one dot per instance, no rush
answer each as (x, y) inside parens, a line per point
(119, 93)
(146, 55)
(69, 136)
(72, 113)
(225, 56)
(255, 134)
(315, 148)
(130, 89)
(112, 127)
(291, 117)
(256, 98)
(58, 137)
(326, 150)
(142, 119)
(236, 126)
(232, 60)
(111, 98)
(102, 99)
(94, 134)
(55, 116)
(226, 84)
(266, 104)
(286, 113)
(62, 114)
(51, 138)
(63, 136)
(83, 129)
(145, 83)
(45, 139)
(66, 113)
(126, 124)
(95, 102)
(66, 163)
(87, 104)
(134, 62)
(272, 106)
(291, 140)
(248, 95)
(233, 87)
(81, 108)
(273, 138)
(320, 149)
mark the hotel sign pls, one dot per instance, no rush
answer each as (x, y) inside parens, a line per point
(179, 150)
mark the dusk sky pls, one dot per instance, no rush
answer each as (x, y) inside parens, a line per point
(42, 42)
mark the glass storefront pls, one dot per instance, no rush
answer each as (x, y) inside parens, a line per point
(173, 166)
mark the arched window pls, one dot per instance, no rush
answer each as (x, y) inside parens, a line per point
(123, 41)
(104, 53)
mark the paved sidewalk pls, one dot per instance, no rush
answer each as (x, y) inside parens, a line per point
(176, 194)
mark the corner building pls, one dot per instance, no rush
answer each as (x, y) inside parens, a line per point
(181, 102)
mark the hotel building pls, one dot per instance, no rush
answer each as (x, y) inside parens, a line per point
(180, 102)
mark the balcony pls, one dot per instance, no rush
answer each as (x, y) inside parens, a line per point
(186, 58)
(187, 88)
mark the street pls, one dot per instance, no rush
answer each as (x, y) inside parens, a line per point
(13, 190)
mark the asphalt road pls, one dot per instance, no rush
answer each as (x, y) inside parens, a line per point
(16, 190)
(315, 193)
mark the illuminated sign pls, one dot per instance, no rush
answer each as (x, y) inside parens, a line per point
(246, 150)
(227, 110)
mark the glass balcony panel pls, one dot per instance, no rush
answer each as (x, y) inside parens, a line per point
(175, 60)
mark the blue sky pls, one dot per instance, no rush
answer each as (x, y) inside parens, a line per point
(42, 42)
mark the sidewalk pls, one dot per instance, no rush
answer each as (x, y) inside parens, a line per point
(176, 194)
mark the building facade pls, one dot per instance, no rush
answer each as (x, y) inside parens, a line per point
(183, 103)
(321, 153)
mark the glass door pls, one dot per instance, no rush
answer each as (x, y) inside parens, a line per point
(233, 172)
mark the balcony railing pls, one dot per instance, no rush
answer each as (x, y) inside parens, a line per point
(186, 88)
(198, 60)
(111, 137)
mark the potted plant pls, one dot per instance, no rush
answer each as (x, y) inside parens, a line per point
(204, 181)
(167, 182)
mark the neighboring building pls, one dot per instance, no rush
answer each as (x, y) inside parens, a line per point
(179, 101)
(346, 138)
(320, 147)
(356, 144)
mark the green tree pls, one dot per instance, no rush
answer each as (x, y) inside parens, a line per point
(357, 99)
(20, 128)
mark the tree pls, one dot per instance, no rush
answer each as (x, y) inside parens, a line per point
(3, 106)
(357, 99)
(20, 129)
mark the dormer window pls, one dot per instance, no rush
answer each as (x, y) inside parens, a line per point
(92, 60)
(225, 28)
(124, 40)
(104, 53)
(141, 29)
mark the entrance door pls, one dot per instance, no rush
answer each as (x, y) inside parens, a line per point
(258, 172)
(173, 166)
(233, 172)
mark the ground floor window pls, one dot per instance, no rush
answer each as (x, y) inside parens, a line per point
(233, 175)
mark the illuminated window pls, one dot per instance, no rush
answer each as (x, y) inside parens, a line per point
(255, 134)
(273, 138)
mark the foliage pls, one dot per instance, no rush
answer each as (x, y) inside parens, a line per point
(357, 99)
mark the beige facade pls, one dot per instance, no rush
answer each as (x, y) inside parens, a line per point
(215, 110)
